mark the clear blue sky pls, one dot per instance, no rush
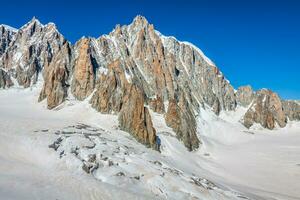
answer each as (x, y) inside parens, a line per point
(252, 42)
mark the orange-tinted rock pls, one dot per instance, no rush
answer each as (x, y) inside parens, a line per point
(182, 120)
(135, 118)
(110, 89)
(157, 105)
(115, 94)
(266, 110)
(83, 81)
(56, 76)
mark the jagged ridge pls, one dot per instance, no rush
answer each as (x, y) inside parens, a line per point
(127, 71)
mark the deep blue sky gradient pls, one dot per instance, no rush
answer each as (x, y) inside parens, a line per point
(252, 42)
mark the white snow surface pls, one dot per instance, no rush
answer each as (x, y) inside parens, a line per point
(233, 162)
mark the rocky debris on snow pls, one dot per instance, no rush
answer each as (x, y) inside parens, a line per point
(120, 174)
(249, 132)
(56, 144)
(128, 164)
(89, 167)
(203, 183)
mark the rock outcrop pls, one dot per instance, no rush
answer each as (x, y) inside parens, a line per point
(157, 104)
(245, 95)
(267, 110)
(135, 118)
(182, 120)
(56, 77)
(5, 81)
(6, 37)
(115, 94)
(84, 71)
(292, 110)
(110, 89)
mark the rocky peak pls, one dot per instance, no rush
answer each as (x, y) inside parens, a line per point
(31, 51)
(266, 109)
(6, 37)
(32, 27)
(139, 21)
(32, 22)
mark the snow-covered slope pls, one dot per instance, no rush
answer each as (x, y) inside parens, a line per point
(234, 163)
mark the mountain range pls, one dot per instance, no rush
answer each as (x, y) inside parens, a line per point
(129, 71)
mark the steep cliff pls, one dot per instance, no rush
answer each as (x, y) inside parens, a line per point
(32, 48)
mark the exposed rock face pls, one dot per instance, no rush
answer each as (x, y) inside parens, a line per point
(6, 37)
(56, 78)
(162, 67)
(84, 70)
(196, 74)
(182, 120)
(291, 109)
(111, 87)
(245, 95)
(266, 110)
(115, 94)
(5, 81)
(157, 105)
(135, 118)
(32, 48)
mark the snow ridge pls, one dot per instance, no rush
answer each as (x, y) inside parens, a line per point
(207, 60)
(9, 28)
